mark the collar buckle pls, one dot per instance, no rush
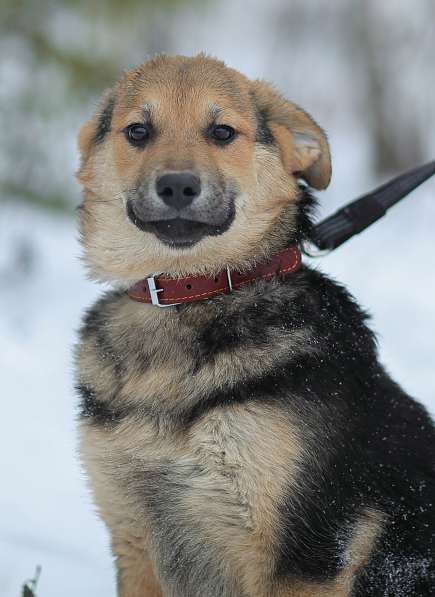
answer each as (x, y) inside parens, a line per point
(154, 293)
(230, 282)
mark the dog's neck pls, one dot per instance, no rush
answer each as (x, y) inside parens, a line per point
(294, 227)
(164, 291)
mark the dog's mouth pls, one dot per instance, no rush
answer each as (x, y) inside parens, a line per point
(178, 233)
(181, 233)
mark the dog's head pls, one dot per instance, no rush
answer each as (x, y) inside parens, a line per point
(188, 167)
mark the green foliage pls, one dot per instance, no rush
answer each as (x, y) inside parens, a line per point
(63, 54)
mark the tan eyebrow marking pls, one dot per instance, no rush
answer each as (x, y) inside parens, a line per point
(214, 110)
(147, 109)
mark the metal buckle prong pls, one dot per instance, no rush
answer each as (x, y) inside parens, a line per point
(154, 293)
(230, 283)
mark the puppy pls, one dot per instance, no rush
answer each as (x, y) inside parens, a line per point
(242, 441)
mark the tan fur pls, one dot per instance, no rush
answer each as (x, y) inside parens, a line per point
(169, 378)
(252, 464)
(258, 464)
(136, 574)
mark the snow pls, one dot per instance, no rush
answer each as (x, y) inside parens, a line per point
(47, 514)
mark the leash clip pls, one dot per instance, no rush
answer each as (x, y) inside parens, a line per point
(311, 250)
(154, 293)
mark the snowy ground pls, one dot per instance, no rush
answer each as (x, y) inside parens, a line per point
(47, 516)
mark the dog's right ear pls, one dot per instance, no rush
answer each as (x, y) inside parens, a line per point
(95, 130)
(303, 144)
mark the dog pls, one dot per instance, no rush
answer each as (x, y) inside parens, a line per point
(242, 439)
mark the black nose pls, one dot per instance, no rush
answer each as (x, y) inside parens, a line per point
(178, 189)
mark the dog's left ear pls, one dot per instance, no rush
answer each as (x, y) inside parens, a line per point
(303, 144)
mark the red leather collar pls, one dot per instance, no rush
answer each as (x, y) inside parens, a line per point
(165, 292)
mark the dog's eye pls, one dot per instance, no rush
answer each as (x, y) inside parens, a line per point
(223, 133)
(137, 134)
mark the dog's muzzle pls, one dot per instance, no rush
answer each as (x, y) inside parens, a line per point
(181, 210)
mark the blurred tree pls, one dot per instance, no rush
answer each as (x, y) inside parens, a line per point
(358, 63)
(369, 64)
(390, 48)
(60, 54)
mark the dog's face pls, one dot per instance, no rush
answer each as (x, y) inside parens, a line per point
(188, 167)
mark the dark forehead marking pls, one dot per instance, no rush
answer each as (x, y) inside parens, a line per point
(105, 120)
(263, 134)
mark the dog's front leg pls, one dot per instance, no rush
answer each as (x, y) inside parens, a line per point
(135, 572)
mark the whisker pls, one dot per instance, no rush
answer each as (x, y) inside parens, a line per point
(121, 195)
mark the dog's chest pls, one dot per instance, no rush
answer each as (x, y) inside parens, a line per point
(206, 494)
(197, 479)
(217, 468)
(148, 376)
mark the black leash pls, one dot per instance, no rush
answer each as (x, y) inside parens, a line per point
(356, 216)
